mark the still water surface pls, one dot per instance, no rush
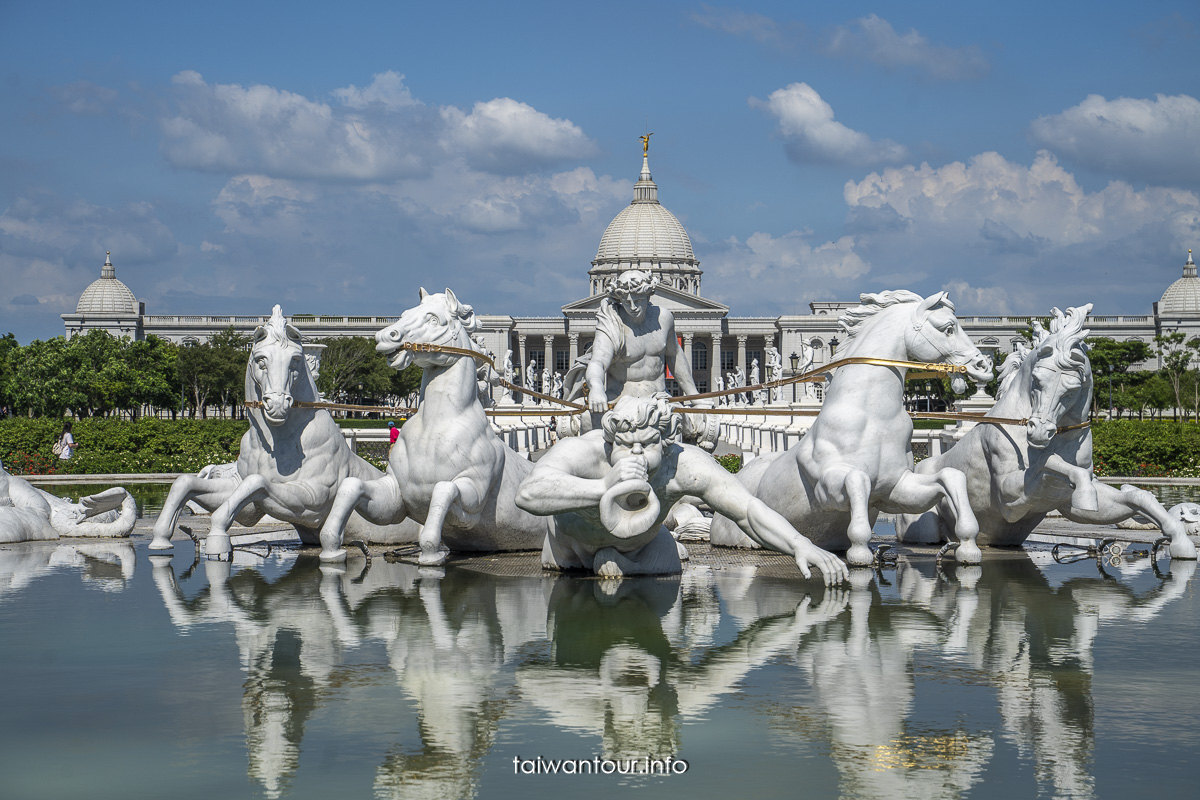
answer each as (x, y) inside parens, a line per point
(131, 676)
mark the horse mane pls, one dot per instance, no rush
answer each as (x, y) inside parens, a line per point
(1065, 338)
(852, 319)
(1011, 368)
(1071, 351)
(277, 330)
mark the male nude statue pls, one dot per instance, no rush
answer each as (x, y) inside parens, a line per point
(610, 490)
(635, 339)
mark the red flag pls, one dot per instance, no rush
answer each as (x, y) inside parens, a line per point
(679, 340)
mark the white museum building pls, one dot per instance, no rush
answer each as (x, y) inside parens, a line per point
(645, 236)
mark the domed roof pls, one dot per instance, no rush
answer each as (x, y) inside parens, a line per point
(1182, 296)
(645, 236)
(107, 295)
(645, 231)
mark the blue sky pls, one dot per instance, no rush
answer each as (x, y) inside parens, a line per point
(333, 158)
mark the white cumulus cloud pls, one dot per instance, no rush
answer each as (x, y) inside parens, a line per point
(812, 135)
(1147, 141)
(373, 134)
(508, 137)
(1012, 233)
(873, 39)
(1002, 201)
(387, 89)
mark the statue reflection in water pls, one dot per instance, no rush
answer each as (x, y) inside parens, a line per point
(629, 663)
(104, 565)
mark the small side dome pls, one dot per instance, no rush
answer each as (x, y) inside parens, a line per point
(107, 295)
(1182, 296)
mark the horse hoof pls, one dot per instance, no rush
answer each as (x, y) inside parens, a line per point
(161, 544)
(1183, 549)
(333, 556)
(860, 555)
(968, 554)
(217, 544)
(433, 558)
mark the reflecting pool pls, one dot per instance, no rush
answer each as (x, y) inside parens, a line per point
(129, 675)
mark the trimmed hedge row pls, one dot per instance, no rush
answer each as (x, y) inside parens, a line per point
(120, 446)
(1123, 447)
(1161, 448)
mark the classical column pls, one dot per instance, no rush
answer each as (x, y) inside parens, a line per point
(573, 338)
(687, 352)
(714, 362)
(741, 353)
(549, 362)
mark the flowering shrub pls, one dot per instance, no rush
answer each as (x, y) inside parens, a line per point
(731, 462)
(21, 463)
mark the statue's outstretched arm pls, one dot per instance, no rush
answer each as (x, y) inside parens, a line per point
(764, 525)
(553, 488)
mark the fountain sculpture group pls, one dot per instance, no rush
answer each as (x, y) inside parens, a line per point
(598, 500)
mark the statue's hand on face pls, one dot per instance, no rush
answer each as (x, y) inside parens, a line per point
(635, 455)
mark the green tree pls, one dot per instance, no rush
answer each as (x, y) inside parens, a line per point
(231, 350)
(41, 382)
(151, 366)
(199, 374)
(1176, 354)
(96, 372)
(8, 344)
(1111, 362)
(348, 363)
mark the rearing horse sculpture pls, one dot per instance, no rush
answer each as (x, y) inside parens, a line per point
(856, 460)
(1016, 474)
(447, 470)
(292, 459)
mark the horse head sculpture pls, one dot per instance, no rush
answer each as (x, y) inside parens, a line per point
(277, 374)
(440, 319)
(1060, 385)
(930, 331)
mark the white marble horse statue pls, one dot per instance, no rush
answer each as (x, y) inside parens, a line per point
(292, 459)
(1016, 474)
(30, 514)
(857, 460)
(448, 470)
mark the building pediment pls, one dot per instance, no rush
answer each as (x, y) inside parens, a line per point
(681, 304)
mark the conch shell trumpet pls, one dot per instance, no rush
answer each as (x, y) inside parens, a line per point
(629, 509)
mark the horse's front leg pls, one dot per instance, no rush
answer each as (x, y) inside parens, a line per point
(1116, 505)
(378, 501)
(462, 499)
(208, 492)
(252, 488)
(848, 489)
(915, 493)
(1084, 495)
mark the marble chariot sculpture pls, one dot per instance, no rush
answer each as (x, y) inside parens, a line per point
(1016, 474)
(291, 462)
(856, 460)
(30, 514)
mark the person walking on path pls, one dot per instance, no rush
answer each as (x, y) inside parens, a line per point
(67, 443)
(393, 433)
